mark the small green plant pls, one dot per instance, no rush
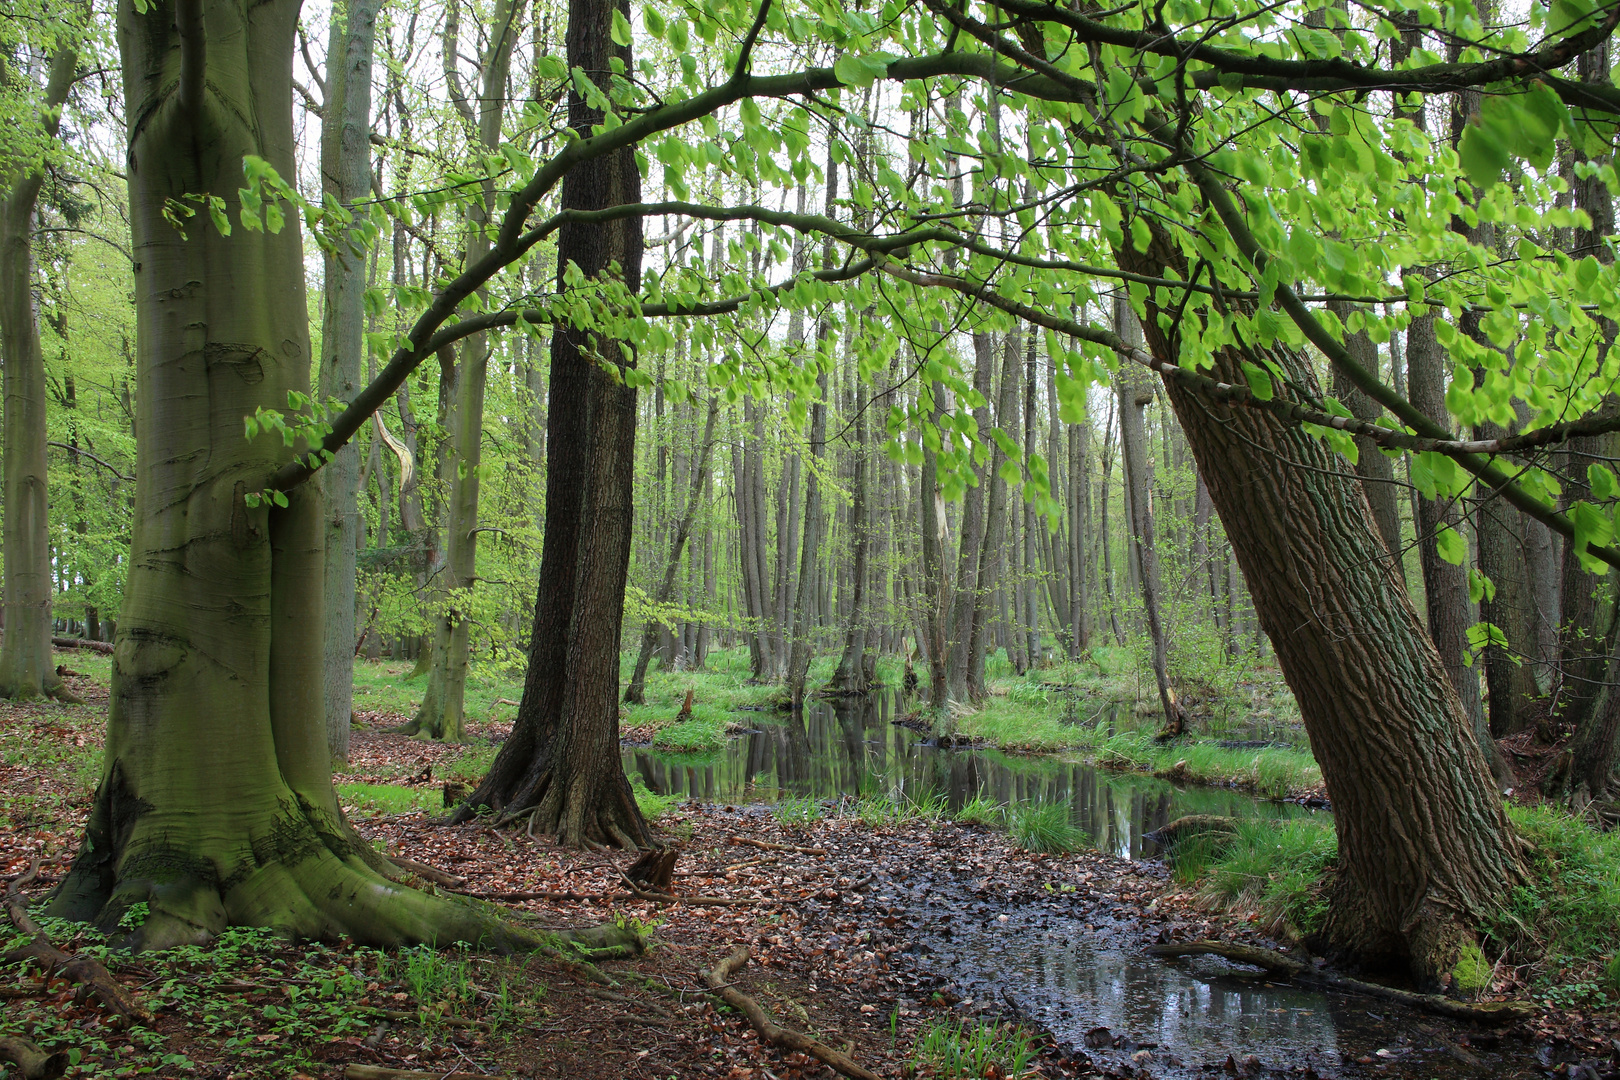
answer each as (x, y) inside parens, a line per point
(799, 812)
(653, 806)
(896, 807)
(972, 1048)
(436, 982)
(1045, 827)
(982, 811)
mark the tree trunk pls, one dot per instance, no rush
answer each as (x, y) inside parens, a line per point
(634, 694)
(346, 170)
(441, 715)
(26, 669)
(1425, 849)
(216, 806)
(561, 764)
(851, 674)
(1135, 391)
(992, 553)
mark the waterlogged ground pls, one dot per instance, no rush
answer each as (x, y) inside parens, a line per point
(896, 933)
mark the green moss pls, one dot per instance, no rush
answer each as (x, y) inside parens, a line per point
(1472, 972)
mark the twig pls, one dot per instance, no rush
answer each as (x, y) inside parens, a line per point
(423, 870)
(375, 1072)
(718, 982)
(766, 845)
(1485, 1012)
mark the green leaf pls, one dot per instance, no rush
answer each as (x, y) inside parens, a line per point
(1592, 526)
(1483, 155)
(1259, 381)
(1603, 484)
(621, 28)
(1141, 234)
(653, 21)
(1451, 545)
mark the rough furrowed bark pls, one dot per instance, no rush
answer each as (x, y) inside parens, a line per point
(1425, 849)
(561, 764)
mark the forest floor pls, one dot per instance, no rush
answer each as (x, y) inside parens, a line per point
(838, 914)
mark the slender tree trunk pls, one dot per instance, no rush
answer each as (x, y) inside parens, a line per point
(967, 599)
(561, 764)
(635, 692)
(26, 669)
(992, 552)
(851, 674)
(1134, 391)
(346, 170)
(441, 715)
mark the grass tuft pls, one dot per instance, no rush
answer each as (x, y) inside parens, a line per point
(1045, 827)
(972, 1048)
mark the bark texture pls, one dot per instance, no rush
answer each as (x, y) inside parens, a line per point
(216, 806)
(561, 764)
(346, 175)
(26, 669)
(1425, 849)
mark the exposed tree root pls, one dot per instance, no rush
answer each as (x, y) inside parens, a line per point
(374, 1072)
(767, 846)
(87, 972)
(33, 1062)
(719, 982)
(1487, 1012)
(429, 873)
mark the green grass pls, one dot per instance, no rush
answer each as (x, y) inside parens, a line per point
(798, 812)
(1277, 869)
(371, 800)
(1565, 922)
(898, 807)
(981, 811)
(704, 733)
(1045, 827)
(972, 1048)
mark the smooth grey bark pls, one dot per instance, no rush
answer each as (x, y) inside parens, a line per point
(441, 715)
(346, 177)
(993, 552)
(26, 669)
(852, 674)
(1134, 391)
(967, 600)
(635, 692)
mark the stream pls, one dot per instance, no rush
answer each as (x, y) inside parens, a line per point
(1072, 962)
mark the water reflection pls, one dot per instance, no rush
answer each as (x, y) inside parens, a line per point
(851, 747)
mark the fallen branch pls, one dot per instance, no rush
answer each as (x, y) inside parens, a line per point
(399, 1016)
(429, 873)
(719, 982)
(85, 971)
(767, 846)
(1276, 963)
(375, 1072)
(650, 897)
(82, 643)
(33, 1063)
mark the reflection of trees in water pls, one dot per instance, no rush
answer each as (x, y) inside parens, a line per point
(850, 747)
(1076, 988)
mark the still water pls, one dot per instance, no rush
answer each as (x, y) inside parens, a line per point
(852, 748)
(1068, 968)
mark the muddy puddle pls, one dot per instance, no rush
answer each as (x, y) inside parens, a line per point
(1071, 961)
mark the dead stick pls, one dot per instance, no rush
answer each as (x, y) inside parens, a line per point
(376, 1072)
(719, 982)
(83, 970)
(766, 845)
(1485, 1012)
(32, 1061)
(429, 873)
